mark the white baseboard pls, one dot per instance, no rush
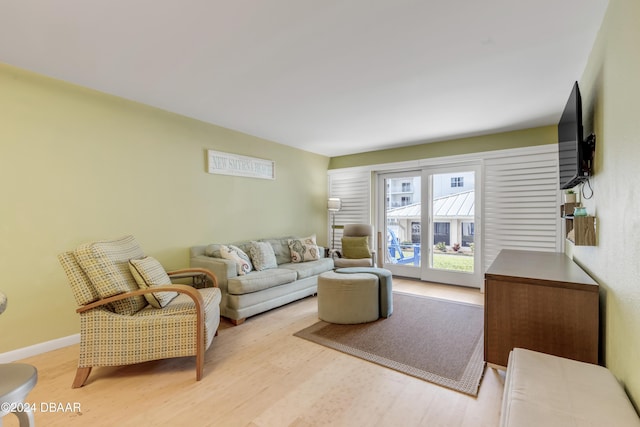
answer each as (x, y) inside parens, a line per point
(36, 349)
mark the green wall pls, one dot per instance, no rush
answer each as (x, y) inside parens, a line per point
(498, 141)
(77, 165)
(610, 89)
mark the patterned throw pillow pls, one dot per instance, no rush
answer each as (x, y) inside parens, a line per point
(356, 247)
(304, 249)
(149, 273)
(234, 253)
(262, 256)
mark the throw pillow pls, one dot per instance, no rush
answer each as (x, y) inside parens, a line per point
(106, 264)
(304, 249)
(262, 256)
(213, 250)
(356, 247)
(234, 253)
(149, 273)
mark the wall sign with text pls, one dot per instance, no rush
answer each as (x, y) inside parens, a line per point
(233, 164)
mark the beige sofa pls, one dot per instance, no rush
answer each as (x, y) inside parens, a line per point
(245, 295)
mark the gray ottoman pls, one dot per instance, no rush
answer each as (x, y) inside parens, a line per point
(348, 298)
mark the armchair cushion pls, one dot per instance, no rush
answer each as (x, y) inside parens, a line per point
(149, 273)
(304, 249)
(356, 247)
(83, 290)
(106, 264)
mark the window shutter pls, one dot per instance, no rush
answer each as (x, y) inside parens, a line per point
(521, 202)
(354, 191)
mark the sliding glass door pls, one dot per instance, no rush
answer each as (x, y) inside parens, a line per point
(452, 226)
(431, 221)
(400, 230)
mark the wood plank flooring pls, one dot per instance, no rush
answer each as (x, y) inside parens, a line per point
(258, 374)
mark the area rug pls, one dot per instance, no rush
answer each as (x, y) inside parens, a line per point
(436, 340)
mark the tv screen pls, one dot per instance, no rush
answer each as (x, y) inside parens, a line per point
(570, 142)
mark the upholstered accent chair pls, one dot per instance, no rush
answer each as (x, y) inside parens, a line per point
(125, 319)
(358, 248)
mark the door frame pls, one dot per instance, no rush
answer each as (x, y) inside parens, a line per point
(405, 270)
(428, 273)
(424, 272)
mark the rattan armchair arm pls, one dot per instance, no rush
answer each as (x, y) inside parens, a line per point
(183, 289)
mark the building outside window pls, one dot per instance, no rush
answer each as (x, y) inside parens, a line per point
(468, 233)
(441, 233)
(457, 181)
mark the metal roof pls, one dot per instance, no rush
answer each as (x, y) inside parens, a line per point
(452, 206)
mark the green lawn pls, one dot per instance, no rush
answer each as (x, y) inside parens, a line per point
(449, 261)
(453, 262)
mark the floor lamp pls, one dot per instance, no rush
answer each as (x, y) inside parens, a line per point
(334, 206)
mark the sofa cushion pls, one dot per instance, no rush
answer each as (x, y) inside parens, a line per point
(311, 268)
(149, 273)
(213, 250)
(259, 280)
(303, 249)
(237, 255)
(262, 256)
(106, 263)
(280, 247)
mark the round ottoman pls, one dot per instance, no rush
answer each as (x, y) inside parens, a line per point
(348, 298)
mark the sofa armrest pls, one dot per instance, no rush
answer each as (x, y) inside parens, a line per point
(197, 250)
(322, 251)
(223, 269)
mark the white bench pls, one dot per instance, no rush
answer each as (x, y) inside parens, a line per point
(545, 390)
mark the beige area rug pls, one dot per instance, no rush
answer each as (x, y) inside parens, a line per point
(432, 339)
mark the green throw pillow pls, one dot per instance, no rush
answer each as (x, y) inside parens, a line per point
(356, 247)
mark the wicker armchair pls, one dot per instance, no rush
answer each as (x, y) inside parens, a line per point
(123, 321)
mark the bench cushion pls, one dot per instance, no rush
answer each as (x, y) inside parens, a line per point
(545, 390)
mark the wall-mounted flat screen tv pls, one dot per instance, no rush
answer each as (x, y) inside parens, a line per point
(574, 153)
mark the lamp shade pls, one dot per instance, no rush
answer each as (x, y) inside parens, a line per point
(334, 204)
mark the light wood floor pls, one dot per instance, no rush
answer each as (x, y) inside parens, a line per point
(259, 374)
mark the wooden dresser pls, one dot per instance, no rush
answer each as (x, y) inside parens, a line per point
(540, 301)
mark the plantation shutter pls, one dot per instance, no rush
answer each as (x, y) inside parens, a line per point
(521, 202)
(354, 191)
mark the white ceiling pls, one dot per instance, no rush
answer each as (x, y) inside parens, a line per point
(329, 76)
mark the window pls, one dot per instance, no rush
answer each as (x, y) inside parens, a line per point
(468, 232)
(415, 232)
(406, 200)
(406, 187)
(457, 181)
(441, 233)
